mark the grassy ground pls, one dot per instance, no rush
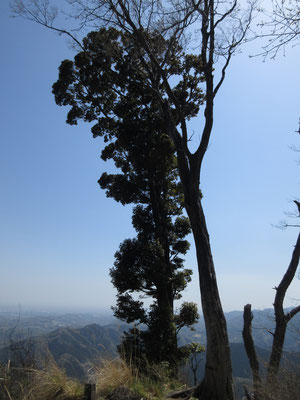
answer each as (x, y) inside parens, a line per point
(34, 384)
(108, 374)
(52, 383)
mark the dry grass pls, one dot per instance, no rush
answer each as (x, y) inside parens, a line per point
(14, 382)
(32, 384)
(51, 382)
(54, 383)
(108, 374)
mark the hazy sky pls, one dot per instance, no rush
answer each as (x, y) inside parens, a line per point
(59, 232)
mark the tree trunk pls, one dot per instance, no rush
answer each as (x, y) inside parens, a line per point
(165, 296)
(281, 318)
(250, 349)
(217, 383)
(277, 346)
(167, 327)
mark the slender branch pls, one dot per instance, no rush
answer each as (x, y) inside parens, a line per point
(223, 73)
(226, 14)
(292, 313)
(287, 278)
(42, 15)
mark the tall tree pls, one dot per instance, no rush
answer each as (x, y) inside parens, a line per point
(221, 31)
(104, 84)
(219, 27)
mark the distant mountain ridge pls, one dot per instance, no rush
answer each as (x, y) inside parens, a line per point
(75, 349)
(40, 323)
(43, 323)
(262, 326)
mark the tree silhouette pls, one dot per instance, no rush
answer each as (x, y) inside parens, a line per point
(106, 84)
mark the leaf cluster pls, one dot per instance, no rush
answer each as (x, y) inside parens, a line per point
(111, 80)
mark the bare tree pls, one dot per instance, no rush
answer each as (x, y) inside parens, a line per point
(216, 29)
(281, 321)
(282, 318)
(280, 26)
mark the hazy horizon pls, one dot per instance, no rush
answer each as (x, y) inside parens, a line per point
(28, 309)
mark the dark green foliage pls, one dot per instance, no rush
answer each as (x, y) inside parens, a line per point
(187, 316)
(150, 264)
(111, 84)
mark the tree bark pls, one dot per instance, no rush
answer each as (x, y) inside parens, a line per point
(217, 383)
(281, 318)
(250, 349)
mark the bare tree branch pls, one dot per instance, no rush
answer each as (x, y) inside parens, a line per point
(42, 13)
(280, 27)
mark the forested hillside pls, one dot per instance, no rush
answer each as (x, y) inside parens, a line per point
(75, 349)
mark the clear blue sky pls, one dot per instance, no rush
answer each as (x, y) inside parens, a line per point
(59, 232)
